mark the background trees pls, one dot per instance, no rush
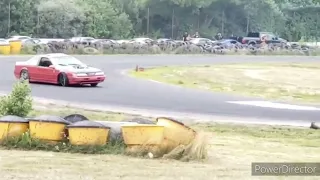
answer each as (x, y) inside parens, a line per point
(291, 19)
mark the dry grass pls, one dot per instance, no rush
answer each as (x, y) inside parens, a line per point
(229, 158)
(196, 150)
(230, 149)
(286, 81)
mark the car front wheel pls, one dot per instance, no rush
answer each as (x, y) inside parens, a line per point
(94, 84)
(63, 79)
(24, 75)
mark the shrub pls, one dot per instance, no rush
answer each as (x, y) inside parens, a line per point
(18, 102)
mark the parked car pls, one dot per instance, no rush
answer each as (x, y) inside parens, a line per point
(58, 68)
(254, 38)
(201, 41)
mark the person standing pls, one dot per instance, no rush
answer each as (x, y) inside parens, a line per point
(185, 36)
(196, 35)
(218, 36)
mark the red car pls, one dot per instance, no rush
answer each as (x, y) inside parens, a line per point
(58, 68)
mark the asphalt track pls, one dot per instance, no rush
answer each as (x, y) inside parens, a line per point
(121, 90)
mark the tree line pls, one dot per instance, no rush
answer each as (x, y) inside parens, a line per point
(293, 20)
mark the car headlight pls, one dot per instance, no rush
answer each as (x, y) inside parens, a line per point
(99, 73)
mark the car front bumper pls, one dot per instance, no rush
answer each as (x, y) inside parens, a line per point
(86, 79)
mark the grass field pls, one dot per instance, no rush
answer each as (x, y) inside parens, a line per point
(231, 150)
(281, 81)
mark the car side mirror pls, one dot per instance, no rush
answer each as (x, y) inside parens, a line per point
(52, 67)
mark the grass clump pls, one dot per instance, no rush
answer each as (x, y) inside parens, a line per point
(196, 150)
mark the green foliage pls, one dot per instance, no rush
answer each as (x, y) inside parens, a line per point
(120, 19)
(18, 102)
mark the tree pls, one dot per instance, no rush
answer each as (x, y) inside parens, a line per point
(292, 19)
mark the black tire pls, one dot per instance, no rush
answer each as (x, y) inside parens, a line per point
(63, 79)
(24, 75)
(73, 118)
(140, 121)
(94, 84)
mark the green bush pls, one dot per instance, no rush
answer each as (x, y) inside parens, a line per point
(18, 102)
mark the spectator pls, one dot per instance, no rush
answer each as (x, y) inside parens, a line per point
(218, 36)
(189, 38)
(185, 36)
(196, 35)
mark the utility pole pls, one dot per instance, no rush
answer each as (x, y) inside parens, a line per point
(9, 18)
(317, 30)
(222, 21)
(148, 21)
(172, 23)
(38, 21)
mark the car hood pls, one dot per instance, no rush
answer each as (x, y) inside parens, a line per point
(77, 68)
(282, 40)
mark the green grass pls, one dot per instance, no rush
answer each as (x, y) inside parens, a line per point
(231, 149)
(281, 81)
(282, 134)
(26, 142)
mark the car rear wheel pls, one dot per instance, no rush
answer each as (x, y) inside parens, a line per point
(63, 79)
(94, 84)
(24, 75)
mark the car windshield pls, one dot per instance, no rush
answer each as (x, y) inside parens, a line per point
(66, 60)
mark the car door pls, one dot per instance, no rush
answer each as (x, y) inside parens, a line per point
(202, 42)
(271, 39)
(44, 72)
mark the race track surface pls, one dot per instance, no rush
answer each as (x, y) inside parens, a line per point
(121, 90)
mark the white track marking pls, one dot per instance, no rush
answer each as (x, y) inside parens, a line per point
(155, 81)
(254, 74)
(268, 104)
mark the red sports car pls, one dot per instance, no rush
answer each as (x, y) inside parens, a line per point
(58, 68)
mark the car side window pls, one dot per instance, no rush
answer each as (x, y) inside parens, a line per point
(45, 62)
(269, 37)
